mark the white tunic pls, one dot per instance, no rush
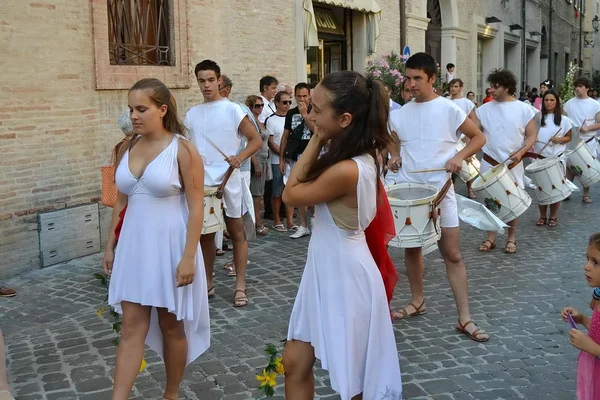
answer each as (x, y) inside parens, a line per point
(341, 308)
(504, 126)
(219, 121)
(546, 132)
(465, 104)
(150, 246)
(583, 112)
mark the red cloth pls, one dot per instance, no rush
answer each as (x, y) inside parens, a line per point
(378, 235)
(487, 99)
(120, 223)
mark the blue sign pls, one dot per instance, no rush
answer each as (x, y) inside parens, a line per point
(406, 53)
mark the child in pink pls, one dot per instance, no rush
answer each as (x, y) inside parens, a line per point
(588, 365)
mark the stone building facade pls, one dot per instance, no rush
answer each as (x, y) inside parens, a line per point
(61, 95)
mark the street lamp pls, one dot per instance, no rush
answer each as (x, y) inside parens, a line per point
(595, 23)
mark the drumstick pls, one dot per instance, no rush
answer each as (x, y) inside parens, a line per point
(503, 162)
(217, 148)
(559, 129)
(418, 171)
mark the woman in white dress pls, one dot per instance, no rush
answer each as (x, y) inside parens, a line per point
(553, 135)
(158, 281)
(341, 314)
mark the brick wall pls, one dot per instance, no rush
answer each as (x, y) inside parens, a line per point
(56, 129)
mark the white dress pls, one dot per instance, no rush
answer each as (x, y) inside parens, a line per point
(341, 307)
(149, 249)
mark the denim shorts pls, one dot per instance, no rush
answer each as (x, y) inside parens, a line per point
(278, 185)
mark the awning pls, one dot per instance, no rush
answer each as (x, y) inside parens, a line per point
(366, 6)
(311, 37)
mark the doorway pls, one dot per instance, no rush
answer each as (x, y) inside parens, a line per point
(433, 35)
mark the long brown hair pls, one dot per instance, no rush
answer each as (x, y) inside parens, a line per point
(160, 95)
(557, 109)
(368, 103)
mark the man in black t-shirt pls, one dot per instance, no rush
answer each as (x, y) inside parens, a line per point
(297, 132)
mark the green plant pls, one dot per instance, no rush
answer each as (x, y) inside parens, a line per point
(566, 90)
(389, 70)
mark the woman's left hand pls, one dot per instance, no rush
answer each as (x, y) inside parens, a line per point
(185, 271)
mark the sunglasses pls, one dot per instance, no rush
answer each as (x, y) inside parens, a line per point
(259, 105)
(287, 102)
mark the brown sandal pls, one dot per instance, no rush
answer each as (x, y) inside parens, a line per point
(552, 222)
(241, 301)
(475, 335)
(402, 314)
(587, 199)
(211, 289)
(508, 250)
(485, 248)
(541, 221)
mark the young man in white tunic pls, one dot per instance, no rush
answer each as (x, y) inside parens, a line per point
(456, 95)
(429, 129)
(223, 123)
(510, 129)
(585, 112)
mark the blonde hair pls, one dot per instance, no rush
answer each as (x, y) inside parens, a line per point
(160, 95)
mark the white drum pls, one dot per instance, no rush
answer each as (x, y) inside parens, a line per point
(501, 194)
(584, 165)
(213, 211)
(417, 223)
(548, 175)
(470, 169)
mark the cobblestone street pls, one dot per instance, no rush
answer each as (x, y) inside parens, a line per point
(58, 348)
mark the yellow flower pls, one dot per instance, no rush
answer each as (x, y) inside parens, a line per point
(143, 366)
(99, 312)
(267, 378)
(279, 366)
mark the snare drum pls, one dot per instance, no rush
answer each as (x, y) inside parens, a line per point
(417, 222)
(582, 163)
(501, 193)
(213, 211)
(470, 169)
(548, 176)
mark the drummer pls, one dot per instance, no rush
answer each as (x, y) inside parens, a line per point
(510, 130)
(456, 95)
(584, 111)
(553, 136)
(429, 143)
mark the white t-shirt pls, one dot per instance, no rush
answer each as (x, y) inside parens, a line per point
(580, 110)
(428, 135)
(218, 120)
(449, 76)
(465, 104)
(504, 126)
(546, 132)
(275, 125)
(268, 109)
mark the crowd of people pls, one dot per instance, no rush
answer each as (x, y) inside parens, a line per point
(331, 149)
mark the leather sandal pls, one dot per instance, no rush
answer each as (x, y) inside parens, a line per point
(509, 250)
(211, 289)
(240, 301)
(402, 314)
(541, 221)
(485, 248)
(552, 222)
(477, 333)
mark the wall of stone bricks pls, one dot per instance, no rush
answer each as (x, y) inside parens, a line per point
(57, 130)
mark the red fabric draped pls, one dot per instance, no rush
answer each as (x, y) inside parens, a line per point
(120, 223)
(378, 235)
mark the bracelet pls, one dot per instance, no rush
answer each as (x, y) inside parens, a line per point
(596, 294)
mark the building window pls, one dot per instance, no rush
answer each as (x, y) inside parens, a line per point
(139, 32)
(480, 77)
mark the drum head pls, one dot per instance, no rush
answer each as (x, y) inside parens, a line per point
(541, 164)
(488, 177)
(411, 193)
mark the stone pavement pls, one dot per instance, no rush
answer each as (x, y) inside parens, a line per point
(58, 348)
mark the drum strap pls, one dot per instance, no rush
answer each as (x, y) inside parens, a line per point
(493, 162)
(221, 187)
(590, 139)
(443, 192)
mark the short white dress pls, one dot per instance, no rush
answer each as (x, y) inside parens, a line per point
(151, 244)
(341, 307)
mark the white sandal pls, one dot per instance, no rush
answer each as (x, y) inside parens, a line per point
(6, 395)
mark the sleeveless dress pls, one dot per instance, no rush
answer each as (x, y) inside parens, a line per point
(341, 307)
(588, 366)
(151, 244)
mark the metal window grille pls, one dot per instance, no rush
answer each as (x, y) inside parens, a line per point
(139, 32)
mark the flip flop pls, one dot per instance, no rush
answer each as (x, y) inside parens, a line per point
(280, 228)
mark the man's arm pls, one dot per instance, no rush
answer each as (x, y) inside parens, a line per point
(593, 127)
(248, 130)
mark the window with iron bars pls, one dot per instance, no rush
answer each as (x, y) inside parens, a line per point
(139, 32)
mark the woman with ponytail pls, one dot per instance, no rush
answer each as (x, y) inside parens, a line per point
(158, 282)
(341, 314)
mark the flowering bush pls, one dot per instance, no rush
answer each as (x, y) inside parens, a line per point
(389, 70)
(566, 90)
(268, 379)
